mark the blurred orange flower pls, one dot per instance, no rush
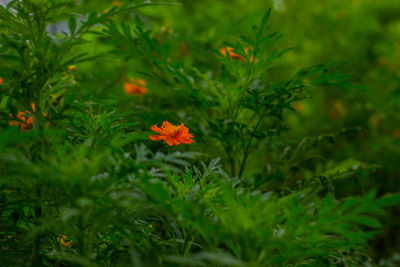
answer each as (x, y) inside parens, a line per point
(63, 240)
(338, 109)
(396, 133)
(1, 81)
(229, 50)
(25, 119)
(184, 51)
(171, 134)
(298, 106)
(114, 3)
(72, 68)
(109, 17)
(135, 87)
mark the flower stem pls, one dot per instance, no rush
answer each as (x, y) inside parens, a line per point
(248, 146)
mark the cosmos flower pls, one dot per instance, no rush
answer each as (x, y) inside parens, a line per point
(72, 68)
(135, 87)
(396, 133)
(171, 134)
(25, 119)
(63, 240)
(229, 50)
(115, 4)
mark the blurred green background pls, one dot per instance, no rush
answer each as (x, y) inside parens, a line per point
(362, 37)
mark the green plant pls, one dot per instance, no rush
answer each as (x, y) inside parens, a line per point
(83, 185)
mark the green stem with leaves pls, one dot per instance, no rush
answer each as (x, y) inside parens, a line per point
(248, 146)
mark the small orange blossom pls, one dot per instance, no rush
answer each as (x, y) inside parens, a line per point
(171, 134)
(72, 68)
(396, 133)
(1, 81)
(63, 240)
(338, 109)
(229, 50)
(109, 17)
(135, 87)
(114, 3)
(298, 106)
(25, 119)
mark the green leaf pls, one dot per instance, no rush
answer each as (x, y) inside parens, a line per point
(367, 221)
(72, 25)
(4, 102)
(389, 200)
(266, 17)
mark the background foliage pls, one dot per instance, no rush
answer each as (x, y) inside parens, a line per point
(297, 137)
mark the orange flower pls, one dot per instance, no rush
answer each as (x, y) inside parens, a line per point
(135, 87)
(298, 106)
(114, 3)
(338, 109)
(184, 51)
(172, 135)
(229, 50)
(109, 17)
(396, 133)
(25, 119)
(63, 240)
(72, 68)
(1, 81)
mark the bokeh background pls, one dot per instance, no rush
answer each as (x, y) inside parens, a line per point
(362, 37)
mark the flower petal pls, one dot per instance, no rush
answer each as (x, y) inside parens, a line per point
(157, 137)
(157, 129)
(168, 128)
(169, 141)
